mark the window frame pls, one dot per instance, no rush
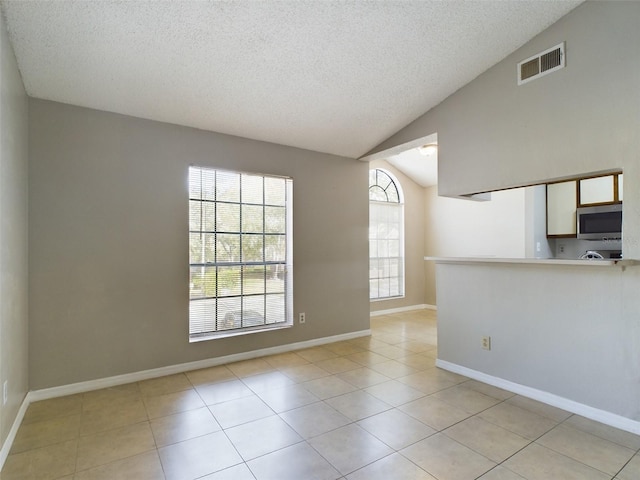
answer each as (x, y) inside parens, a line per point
(394, 197)
(200, 314)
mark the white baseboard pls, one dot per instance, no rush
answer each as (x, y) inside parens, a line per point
(8, 443)
(410, 308)
(185, 367)
(602, 416)
(80, 387)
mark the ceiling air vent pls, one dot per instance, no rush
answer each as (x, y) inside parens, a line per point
(541, 64)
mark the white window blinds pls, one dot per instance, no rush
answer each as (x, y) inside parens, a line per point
(240, 252)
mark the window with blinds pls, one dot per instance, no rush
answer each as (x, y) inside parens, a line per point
(240, 253)
(386, 236)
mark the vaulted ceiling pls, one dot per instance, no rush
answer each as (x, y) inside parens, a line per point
(335, 76)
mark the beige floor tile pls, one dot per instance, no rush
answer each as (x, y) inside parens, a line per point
(392, 352)
(198, 457)
(394, 392)
(466, 399)
(631, 470)
(285, 360)
(501, 473)
(47, 463)
(105, 416)
(263, 436)
(103, 448)
(315, 419)
(394, 466)
(363, 377)
(358, 405)
(488, 390)
(304, 373)
(297, 462)
(418, 360)
(327, 387)
(164, 385)
(343, 348)
(349, 448)
(239, 411)
(246, 368)
(163, 405)
(446, 459)
(183, 426)
(433, 353)
(53, 408)
(594, 451)
(444, 374)
(287, 398)
(145, 466)
(110, 396)
(626, 439)
(367, 358)
(487, 439)
(416, 346)
(209, 375)
(265, 381)
(396, 429)
(427, 381)
(316, 354)
(393, 369)
(223, 391)
(282, 403)
(523, 422)
(237, 472)
(556, 414)
(338, 365)
(388, 338)
(536, 462)
(46, 432)
(435, 413)
(366, 342)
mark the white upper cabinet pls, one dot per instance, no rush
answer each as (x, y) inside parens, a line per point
(597, 190)
(561, 208)
(620, 182)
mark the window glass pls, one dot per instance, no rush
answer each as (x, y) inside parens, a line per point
(386, 236)
(240, 253)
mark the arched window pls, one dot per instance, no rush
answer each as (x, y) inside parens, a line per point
(386, 236)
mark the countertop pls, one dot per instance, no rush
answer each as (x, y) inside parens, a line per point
(538, 261)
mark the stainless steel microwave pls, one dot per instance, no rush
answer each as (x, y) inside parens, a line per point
(601, 222)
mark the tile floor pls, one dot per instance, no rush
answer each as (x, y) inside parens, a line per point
(367, 409)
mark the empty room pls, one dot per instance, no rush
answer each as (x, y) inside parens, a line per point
(348, 240)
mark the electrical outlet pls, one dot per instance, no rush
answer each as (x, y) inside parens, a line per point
(486, 343)
(5, 392)
(561, 248)
(301, 317)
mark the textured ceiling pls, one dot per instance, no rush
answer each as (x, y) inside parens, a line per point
(331, 76)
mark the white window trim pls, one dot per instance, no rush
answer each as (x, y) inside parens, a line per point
(288, 271)
(400, 203)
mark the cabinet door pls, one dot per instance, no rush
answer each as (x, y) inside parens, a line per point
(561, 208)
(596, 190)
(620, 182)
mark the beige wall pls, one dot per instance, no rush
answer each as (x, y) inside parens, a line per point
(108, 243)
(414, 229)
(13, 236)
(493, 134)
(465, 228)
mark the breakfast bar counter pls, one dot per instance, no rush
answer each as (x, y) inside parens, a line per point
(565, 332)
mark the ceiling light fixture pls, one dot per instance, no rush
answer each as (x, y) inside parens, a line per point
(428, 149)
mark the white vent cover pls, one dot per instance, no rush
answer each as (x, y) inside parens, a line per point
(541, 64)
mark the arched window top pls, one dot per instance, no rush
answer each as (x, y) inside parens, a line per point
(383, 187)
